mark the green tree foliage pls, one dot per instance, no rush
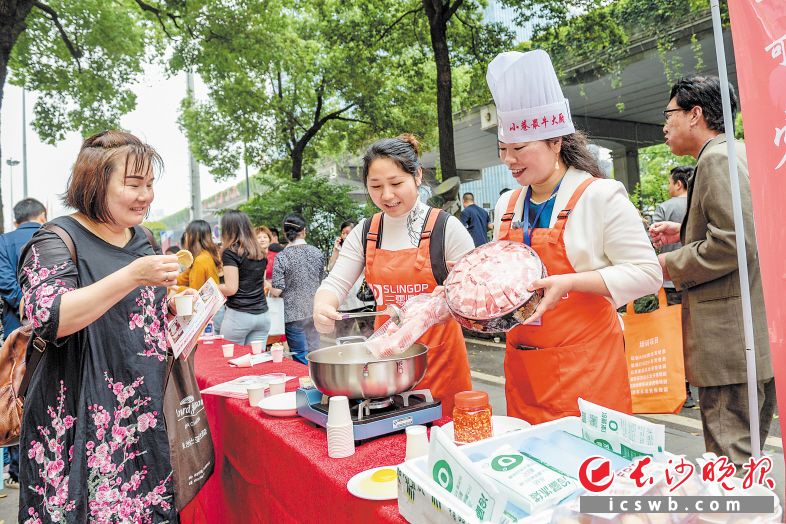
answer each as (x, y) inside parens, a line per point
(655, 164)
(82, 56)
(289, 79)
(601, 30)
(322, 203)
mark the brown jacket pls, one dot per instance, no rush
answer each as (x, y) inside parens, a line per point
(706, 270)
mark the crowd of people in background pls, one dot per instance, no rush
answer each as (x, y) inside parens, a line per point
(78, 298)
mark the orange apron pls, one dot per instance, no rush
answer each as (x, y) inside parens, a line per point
(577, 350)
(395, 276)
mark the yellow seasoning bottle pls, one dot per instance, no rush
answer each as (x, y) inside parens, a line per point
(471, 417)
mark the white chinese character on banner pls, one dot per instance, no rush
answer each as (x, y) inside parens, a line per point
(778, 48)
(780, 140)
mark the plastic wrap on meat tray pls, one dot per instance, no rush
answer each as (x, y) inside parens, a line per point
(417, 315)
(487, 290)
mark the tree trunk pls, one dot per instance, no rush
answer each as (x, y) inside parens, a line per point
(12, 23)
(438, 20)
(297, 160)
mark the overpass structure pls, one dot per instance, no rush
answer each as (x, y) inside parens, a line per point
(622, 116)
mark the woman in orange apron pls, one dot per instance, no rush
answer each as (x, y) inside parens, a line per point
(588, 235)
(403, 252)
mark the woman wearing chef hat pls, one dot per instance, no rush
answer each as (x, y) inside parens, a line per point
(405, 258)
(588, 235)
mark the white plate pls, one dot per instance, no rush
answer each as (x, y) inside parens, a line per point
(283, 405)
(355, 485)
(500, 423)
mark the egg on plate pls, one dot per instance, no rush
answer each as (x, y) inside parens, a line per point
(375, 484)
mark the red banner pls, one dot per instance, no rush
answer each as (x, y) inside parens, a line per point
(758, 29)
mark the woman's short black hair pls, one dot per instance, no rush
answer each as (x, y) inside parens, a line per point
(682, 174)
(704, 92)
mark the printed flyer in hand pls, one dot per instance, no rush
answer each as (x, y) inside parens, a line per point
(183, 332)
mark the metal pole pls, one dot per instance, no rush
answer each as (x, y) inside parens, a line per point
(739, 231)
(11, 163)
(245, 163)
(24, 146)
(193, 167)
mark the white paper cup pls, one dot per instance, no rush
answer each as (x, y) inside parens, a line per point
(184, 305)
(338, 411)
(256, 393)
(278, 386)
(277, 354)
(340, 440)
(229, 350)
(256, 347)
(417, 442)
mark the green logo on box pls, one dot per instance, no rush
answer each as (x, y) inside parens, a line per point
(443, 475)
(506, 462)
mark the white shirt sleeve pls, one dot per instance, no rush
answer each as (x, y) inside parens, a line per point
(458, 241)
(632, 269)
(348, 267)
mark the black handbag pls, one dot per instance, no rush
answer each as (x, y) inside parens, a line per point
(365, 293)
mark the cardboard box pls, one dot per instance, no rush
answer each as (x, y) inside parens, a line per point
(421, 500)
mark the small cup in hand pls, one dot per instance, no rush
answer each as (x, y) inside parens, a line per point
(184, 305)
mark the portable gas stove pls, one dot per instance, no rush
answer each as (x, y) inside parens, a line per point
(374, 417)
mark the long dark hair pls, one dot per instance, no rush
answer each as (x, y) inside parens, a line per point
(237, 235)
(199, 237)
(294, 224)
(575, 153)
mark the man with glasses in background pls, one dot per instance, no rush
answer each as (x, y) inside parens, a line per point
(705, 270)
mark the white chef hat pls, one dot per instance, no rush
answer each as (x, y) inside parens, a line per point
(530, 104)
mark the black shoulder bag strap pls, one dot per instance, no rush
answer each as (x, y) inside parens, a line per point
(38, 343)
(153, 243)
(439, 266)
(365, 239)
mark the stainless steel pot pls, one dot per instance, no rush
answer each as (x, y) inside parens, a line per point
(350, 370)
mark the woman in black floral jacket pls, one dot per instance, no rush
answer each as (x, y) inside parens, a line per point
(94, 442)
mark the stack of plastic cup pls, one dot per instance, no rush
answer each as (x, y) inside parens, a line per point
(417, 442)
(340, 435)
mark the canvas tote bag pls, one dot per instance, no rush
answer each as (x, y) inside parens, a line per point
(653, 349)
(190, 443)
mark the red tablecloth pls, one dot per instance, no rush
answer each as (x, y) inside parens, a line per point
(277, 470)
